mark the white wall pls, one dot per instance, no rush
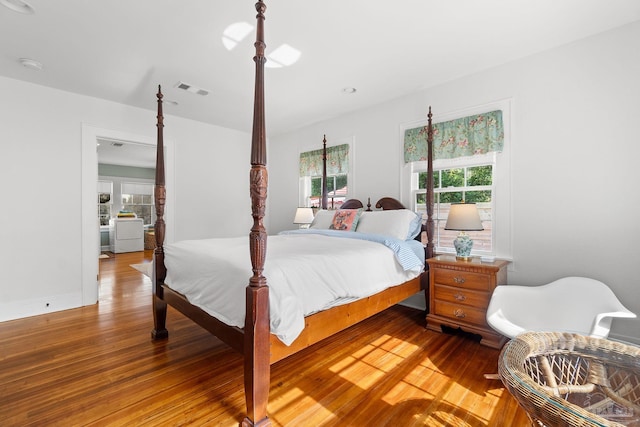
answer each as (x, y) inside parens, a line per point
(574, 155)
(40, 168)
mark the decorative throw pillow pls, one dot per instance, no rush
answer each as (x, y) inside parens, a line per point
(346, 219)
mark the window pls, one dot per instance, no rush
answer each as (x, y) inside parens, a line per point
(138, 198)
(105, 201)
(471, 164)
(338, 176)
(472, 183)
(336, 190)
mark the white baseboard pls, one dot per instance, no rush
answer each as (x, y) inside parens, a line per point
(37, 306)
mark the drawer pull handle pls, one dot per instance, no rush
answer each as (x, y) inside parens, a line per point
(459, 280)
(459, 313)
(460, 297)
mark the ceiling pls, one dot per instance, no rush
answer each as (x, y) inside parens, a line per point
(121, 50)
(126, 153)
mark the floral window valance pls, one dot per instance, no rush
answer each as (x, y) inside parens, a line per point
(337, 161)
(467, 136)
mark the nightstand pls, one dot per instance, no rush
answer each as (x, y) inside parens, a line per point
(459, 293)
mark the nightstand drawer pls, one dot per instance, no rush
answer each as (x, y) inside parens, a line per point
(460, 312)
(459, 295)
(481, 282)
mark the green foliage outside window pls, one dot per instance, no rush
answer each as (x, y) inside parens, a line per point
(455, 178)
(480, 175)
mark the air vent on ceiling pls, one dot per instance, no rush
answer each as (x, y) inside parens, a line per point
(191, 88)
(117, 144)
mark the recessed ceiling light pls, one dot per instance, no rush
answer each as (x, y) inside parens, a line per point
(348, 90)
(31, 63)
(19, 6)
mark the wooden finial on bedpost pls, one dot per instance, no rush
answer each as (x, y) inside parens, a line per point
(160, 196)
(256, 330)
(430, 252)
(325, 198)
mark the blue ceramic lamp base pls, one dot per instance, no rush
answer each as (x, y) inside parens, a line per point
(463, 245)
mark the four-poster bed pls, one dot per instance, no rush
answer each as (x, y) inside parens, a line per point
(256, 336)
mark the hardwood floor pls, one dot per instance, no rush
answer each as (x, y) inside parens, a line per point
(97, 366)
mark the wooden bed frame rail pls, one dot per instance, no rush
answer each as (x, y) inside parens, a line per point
(254, 341)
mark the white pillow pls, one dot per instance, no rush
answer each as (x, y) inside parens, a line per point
(323, 219)
(402, 224)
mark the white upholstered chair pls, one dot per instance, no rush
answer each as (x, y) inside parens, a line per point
(571, 304)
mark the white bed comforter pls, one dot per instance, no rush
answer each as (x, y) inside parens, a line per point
(305, 273)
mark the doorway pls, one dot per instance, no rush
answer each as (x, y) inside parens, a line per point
(91, 245)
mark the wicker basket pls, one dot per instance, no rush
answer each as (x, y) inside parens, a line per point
(149, 240)
(564, 379)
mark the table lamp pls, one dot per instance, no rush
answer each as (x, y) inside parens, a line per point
(463, 217)
(304, 217)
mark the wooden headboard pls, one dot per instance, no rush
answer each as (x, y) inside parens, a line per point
(389, 203)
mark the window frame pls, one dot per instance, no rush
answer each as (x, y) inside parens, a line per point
(418, 168)
(304, 182)
(502, 174)
(331, 194)
(105, 187)
(133, 184)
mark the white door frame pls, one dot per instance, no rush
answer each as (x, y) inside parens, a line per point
(90, 249)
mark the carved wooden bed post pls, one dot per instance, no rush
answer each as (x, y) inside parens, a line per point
(160, 196)
(324, 201)
(256, 329)
(430, 250)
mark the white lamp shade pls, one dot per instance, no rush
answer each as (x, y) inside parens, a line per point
(464, 217)
(303, 216)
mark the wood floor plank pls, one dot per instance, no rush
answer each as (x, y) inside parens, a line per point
(97, 366)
